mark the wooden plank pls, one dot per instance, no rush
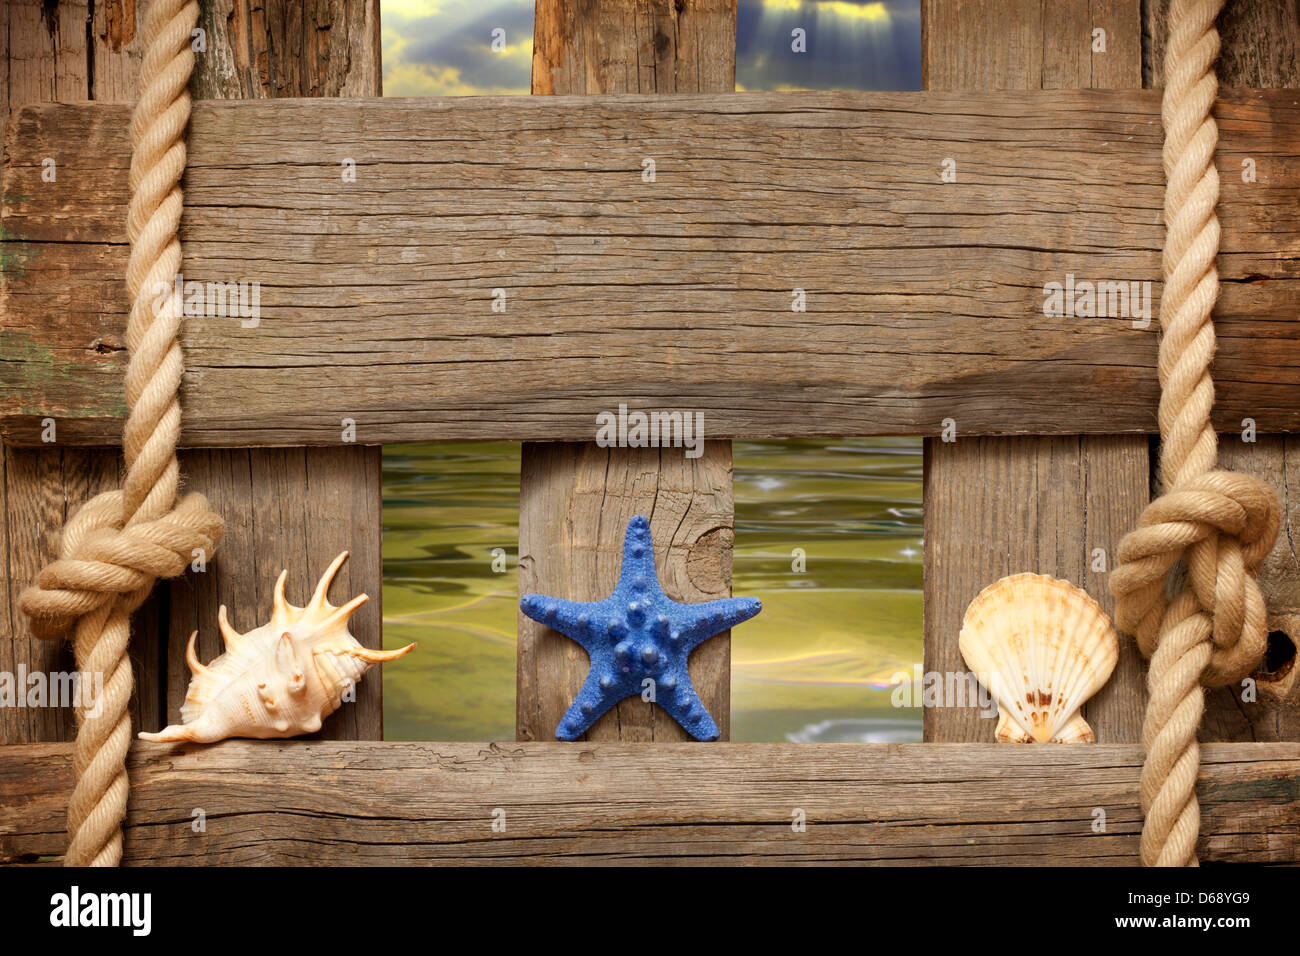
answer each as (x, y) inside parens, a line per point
(924, 301)
(338, 803)
(292, 48)
(575, 499)
(47, 54)
(1260, 48)
(997, 506)
(291, 508)
(47, 58)
(634, 46)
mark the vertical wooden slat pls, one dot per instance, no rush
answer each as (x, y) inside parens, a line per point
(291, 508)
(1260, 47)
(576, 499)
(996, 506)
(45, 55)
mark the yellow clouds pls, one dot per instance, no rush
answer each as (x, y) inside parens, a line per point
(410, 9)
(870, 12)
(426, 79)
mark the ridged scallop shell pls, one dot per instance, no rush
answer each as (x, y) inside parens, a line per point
(281, 679)
(1042, 647)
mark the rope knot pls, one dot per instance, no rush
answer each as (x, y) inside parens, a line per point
(1223, 525)
(100, 559)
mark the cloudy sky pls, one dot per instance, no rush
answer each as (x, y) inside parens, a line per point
(445, 47)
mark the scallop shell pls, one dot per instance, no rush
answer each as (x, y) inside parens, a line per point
(281, 679)
(1042, 647)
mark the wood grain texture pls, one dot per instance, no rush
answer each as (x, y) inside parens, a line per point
(48, 58)
(998, 506)
(924, 299)
(1260, 48)
(48, 53)
(288, 508)
(1257, 43)
(575, 499)
(634, 46)
(338, 803)
(271, 49)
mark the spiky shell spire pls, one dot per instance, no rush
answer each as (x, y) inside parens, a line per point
(281, 679)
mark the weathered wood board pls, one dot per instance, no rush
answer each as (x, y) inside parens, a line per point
(337, 803)
(924, 299)
(1054, 505)
(634, 46)
(575, 499)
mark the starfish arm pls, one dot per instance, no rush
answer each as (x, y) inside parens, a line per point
(573, 619)
(588, 707)
(707, 620)
(638, 556)
(685, 707)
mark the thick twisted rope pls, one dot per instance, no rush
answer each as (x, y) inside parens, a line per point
(118, 543)
(1213, 631)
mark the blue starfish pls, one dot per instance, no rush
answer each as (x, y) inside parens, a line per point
(636, 634)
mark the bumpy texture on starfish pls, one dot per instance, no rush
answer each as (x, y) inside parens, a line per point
(635, 634)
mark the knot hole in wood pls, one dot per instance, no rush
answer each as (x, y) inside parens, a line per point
(709, 563)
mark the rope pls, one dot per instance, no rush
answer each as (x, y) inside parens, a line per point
(1221, 524)
(118, 543)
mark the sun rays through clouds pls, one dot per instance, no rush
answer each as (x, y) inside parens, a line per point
(828, 45)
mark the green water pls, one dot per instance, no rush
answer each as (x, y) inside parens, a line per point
(815, 665)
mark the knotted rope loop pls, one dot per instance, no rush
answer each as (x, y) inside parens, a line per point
(1222, 525)
(100, 560)
(119, 543)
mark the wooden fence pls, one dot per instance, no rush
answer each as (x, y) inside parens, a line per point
(924, 304)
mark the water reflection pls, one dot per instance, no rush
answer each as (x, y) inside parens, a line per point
(828, 535)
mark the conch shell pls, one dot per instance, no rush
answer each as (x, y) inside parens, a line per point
(1042, 647)
(281, 679)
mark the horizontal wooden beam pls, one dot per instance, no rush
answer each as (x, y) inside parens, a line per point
(337, 802)
(924, 298)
